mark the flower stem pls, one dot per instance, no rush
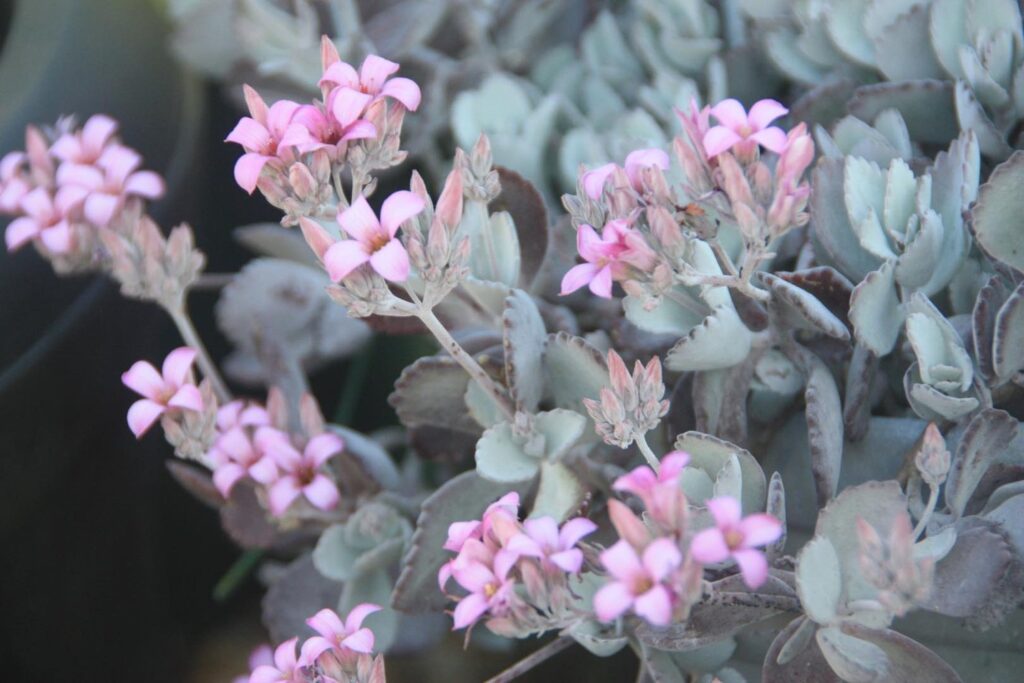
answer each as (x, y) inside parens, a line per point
(191, 338)
(467, 362)
(933, 499)
(649, 456)
(529, 662)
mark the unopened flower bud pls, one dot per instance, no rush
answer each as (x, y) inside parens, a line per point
(932, 458)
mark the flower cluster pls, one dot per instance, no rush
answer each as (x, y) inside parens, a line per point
(655, 569)
(497, 554)
(249, 446)
(341, 652)
(62, 192)
(633, 405)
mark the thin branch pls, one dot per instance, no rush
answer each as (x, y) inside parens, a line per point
(645, 449)
(191, 338)
(529, 662)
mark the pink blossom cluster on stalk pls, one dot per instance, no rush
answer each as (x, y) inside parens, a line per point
(497, 552)
(248, 447)
(340, 652)
(61, 191)
(275, 137)
(655, 569)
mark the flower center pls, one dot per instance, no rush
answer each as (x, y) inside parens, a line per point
(378, 241)
(490, 589)
(642, 585)
(733, 538)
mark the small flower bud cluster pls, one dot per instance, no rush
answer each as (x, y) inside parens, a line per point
(342, 652)
(902, 581)
(64, 193)
(514, 574)
(656, 568)
(933, 458)
(633, 405)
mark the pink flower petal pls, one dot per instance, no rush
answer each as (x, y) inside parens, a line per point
(459, 533)
(177, 365)
(280, 115)
(235, 444)
(343, 257)
(226, 476)
(504, 560)
(359, 221)
(521, 544)
(612, 600)
(753, 567)
(594, 180)
(67, 148)
(601, 285)
(251, 135)
(759, 529)
(360, 129)
(405, 91)
(709, 547)
(97, 131)
(142, 414)
(38, 203)
(326, 623)
(589, 244)
(726, 510)
(391, 261)
(264, 470)
(398, 208)
(639, 481)
(672, 464)
(473, 576)
(360, 641)
(312, 649)
(340, 73)
(57, 238)
(145, 184)
(20, 231)
(469, 609)
(143, 378)
(187, 398)
(248, 169)
(69, 197)
(771, 138)
(719, 139)
(622, 562)
(578, 276)
(322, 446)
(100, 208)
(544, 530)
(264, 655)
(655, 606)
(764, 112)
(575, 529)
(119, 162)
(355, 618)
(730, 113)
(661, 557)
(282, 452)
(568, 560)
(88, 177)
(374, 71)
(266, 674)
(321, 492)
(282, 494)
(347, 105)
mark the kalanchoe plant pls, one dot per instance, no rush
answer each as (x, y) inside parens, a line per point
(814, 470)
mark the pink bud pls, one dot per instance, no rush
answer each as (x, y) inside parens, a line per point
(449, 204)
(318, 239)
(628, 525)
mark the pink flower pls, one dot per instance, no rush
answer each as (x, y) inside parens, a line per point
(301, 473)
(736, 538)
(743, 131)
(260, 135)
(234, 457)
(110, 182)
(14, 182)
(46, 218)
(661, 493)
(374, 240)
(172, 388)
(373, 79)
(490, 588)
(341, 638)
(87, 145)
(607, 257)
(639, 583)
(484, 537)
(312, 128)
(241, 413)
(594, 180)
(553, 546)
(283, 669)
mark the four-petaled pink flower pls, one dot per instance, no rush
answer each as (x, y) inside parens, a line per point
(260, 135)
(489, 585)
(594, 180)
(607, 257)
(556, 548)
(109, 182)
(373, 240)
(46, 218)
(234, 457)
(300, 472)
(341, 638)
(87, 145)
(14, 182)
(639, 582)
(661, 492)
(374, 80)
(284, 668)
(745, 132)
(736, 538)
(171, 388)
(313, 129)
